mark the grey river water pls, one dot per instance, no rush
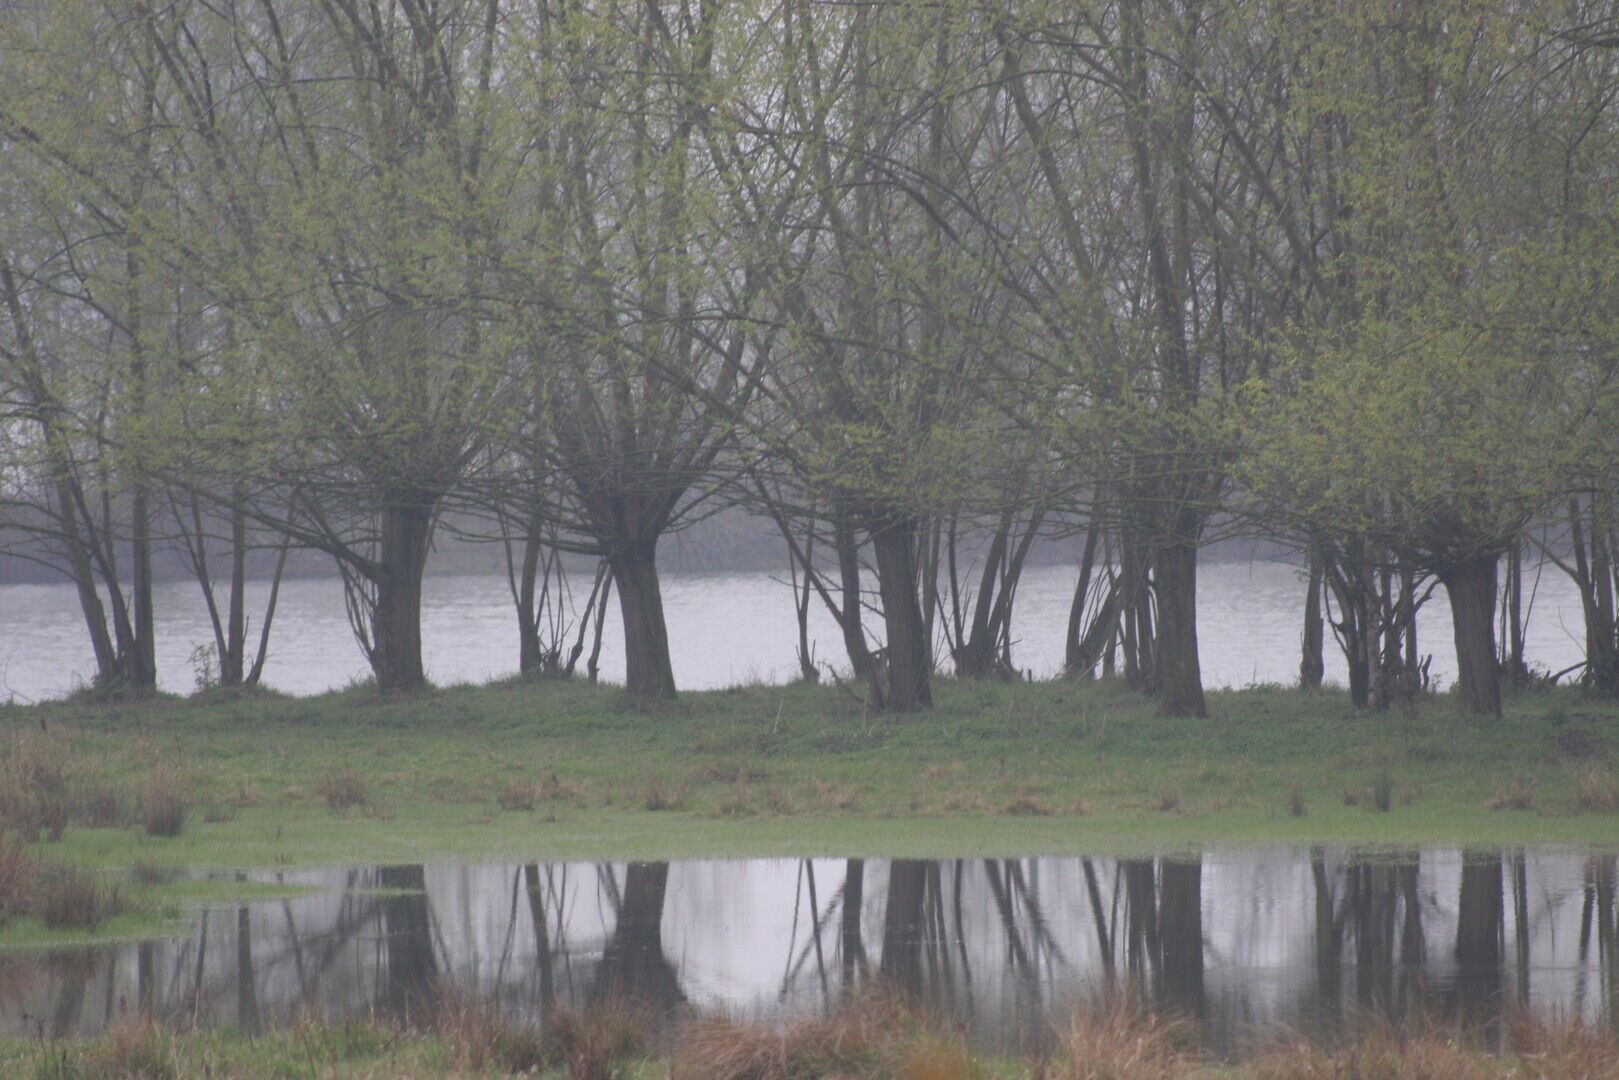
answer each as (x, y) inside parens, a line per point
(1250, 943)
(724, 629)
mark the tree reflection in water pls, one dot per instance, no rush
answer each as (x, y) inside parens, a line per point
(1239, 942)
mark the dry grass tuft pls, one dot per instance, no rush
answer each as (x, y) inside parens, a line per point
(1026, 806)
(245, 795)
(553, 788)
(1596, 789)
(102, 807)
(730, 771)
(591, 1045)
(73, 899)
(1296, 804)
(133, 1049)
(481, 1040)
(1519, 794)
(1117, 1038)
(836, 796)
(518, 795)
(737, 805)
(35, 796)
(162, 804)
(961, 802)
(873, 1034)
(19, 874)
(776, 800)
(657, 795)
(1078, 806)
(343, 789)
(1168, 800)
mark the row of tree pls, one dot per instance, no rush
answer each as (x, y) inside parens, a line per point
(920, 281)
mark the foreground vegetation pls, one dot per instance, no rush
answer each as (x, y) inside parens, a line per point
(872, 1036)
(560, 770)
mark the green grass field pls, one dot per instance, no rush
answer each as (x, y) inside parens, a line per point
(556, 770)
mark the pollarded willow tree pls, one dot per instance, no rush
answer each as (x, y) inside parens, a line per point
(629, 295)
(877, 416)
(1443, 410)
(347, 178)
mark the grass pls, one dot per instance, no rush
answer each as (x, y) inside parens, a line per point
(801, 770)
(870, 1036)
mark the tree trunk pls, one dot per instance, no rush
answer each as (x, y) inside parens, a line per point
(530, 655)
(1470, 584)
(648, 671)
(396, 620)
(901, 965)
(233, 659)
(1180, 923)
(1312, 666)
(1180, 678)
(909, 663)
(849, 620)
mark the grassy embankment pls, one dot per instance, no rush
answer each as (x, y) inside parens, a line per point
(568, 771)
(556, 771)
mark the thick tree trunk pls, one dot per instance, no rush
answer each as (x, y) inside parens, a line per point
(1180, 678)
(141, 671)
(634, 966)
(1470, 584)
(1312, 666)
(410, 985)
(1180, 922)
(396, 620)
(648, 671)
(909, 661)
(901, 965)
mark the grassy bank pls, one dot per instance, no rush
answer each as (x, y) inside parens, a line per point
(874, 1038)
(553, 770)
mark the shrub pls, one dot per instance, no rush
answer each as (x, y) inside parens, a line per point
(162, 804)
(342, 789)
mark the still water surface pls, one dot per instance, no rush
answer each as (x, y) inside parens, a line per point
(724, 629)
(1247, 942)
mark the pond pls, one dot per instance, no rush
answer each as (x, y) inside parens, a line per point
(1247, 942)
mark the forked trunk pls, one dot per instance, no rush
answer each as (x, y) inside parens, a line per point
(648, 672)
(396, 621)
(1470, 584)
